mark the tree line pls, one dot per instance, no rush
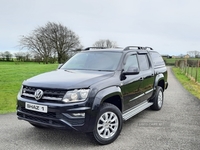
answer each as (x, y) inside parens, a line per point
(50, 43)
(54, 42)
(6, 56)
(195, 54)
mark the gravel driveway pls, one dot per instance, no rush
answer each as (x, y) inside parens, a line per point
(175, 127)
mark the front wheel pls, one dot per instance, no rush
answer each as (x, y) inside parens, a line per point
(108, 124)
(158, 99)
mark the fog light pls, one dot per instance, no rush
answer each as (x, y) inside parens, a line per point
(78, 114)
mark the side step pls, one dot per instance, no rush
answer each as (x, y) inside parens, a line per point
(136, 110)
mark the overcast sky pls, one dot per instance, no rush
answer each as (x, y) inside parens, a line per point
(169, 26)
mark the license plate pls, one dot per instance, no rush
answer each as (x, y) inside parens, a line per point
(35, 107)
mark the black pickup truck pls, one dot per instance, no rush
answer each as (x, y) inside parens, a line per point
(95, 91)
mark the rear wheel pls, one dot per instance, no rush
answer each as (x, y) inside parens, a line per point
(108, 124)
(158, 99)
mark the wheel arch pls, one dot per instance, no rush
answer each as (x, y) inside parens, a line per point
(160, 81)
(110, 95)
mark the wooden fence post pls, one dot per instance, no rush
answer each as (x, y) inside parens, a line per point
(196, 79)
(196, 74)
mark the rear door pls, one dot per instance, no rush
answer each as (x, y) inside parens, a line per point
(147, 75)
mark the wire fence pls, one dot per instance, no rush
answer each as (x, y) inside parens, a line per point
(190, 68)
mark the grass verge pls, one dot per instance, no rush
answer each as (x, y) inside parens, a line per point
(188, 84)
(11, 77)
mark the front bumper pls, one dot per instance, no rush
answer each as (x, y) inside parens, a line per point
(57, 116)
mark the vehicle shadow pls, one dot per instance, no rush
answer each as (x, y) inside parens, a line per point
(56, 137)
(73, 139)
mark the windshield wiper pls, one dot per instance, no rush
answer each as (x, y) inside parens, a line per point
(105, 70)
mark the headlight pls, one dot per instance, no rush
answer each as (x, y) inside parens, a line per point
(76, 95)
(20, 91)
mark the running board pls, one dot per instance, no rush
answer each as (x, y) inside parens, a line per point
(136, 110)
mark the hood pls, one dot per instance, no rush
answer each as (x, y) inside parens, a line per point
(63, 79)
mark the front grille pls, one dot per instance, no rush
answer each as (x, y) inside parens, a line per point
(47, 115)
(45, 121)
(48, 94)
(47, 118)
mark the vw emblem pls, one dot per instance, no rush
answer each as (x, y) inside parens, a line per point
(38, 94)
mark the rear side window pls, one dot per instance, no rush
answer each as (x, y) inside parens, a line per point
(157, 59)
(143, 61)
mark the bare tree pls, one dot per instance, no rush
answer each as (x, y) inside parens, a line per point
(37, 57)
(44, 41)
(62, 40)
(28, 56)
(19, 56)
(23, 56)
(105, 43)
(195, 54)
(37, 43)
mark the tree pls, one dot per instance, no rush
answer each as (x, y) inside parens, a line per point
(19, 56)
(181, 55)
(62, 39)
(2, 56)
(7, 55)
(23, 56)
(37, 57)
(37, 43)
(195, 54)
(27, 56)
(105, 43)
(49, 39)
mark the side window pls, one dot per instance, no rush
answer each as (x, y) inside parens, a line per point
(131, 61)
(157, 59)
(143, 62)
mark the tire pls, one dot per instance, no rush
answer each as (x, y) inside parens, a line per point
(108, 124)
(158, 99)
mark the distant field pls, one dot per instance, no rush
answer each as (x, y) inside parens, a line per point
(11, 77)
(171, 61)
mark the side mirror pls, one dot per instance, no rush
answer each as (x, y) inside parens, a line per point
(132, 70)
(59, 66)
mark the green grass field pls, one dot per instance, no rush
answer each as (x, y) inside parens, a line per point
(11, 77)
(187, 83)
(171, 61)
(193, 72)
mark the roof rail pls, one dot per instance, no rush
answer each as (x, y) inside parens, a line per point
(133, 47)
(88, 48)
(117, 47)
(146, 48)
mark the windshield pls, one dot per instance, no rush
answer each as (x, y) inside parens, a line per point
(100, 61)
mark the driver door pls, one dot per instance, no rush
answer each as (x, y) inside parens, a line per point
(131, 87)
